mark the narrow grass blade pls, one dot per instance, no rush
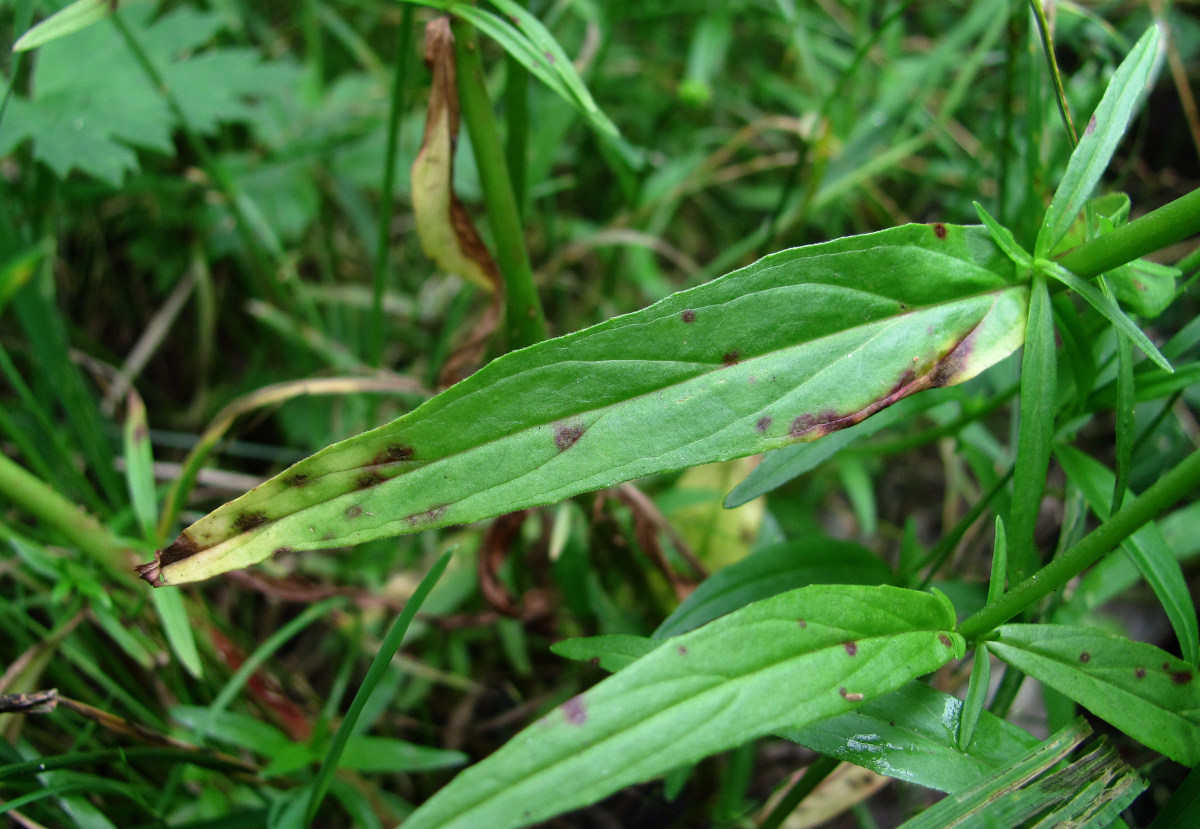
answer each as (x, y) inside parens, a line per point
(977, 689)
(173, 615)
(1142, 690)
(715, 688)
(139, 466)
(802, 344)
(1100, 138)
(1111, 311)
(78, 15)
(1038, 396)
(379, 665)
(1147, 548)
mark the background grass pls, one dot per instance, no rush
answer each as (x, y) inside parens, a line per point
(168, 280)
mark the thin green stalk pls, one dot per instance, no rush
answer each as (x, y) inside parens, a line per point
(1059, 93)
(41, 501)
(1183, 480)
(399, 94)
(379, 666)
(516, 120)
(817, 771)
(1145, 234)
(524, 320)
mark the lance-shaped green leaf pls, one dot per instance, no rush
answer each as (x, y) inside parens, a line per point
(1142, 690)
(1099, 141)
(800, 344)
(783, 662)
(912, 734)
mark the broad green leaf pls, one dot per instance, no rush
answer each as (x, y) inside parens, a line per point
(1099, 141)
(772, 570)
(1142, 690)
(1038, 396)
(912, 734)
(612, 651)
(1091, 791)
(1147, 548)
(783, 662)
(798, 345)
(78, 15)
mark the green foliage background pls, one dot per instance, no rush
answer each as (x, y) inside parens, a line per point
(200, 201)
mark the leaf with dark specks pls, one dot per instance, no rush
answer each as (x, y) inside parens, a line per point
(826, 336)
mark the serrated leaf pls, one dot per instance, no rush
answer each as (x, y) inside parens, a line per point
(912, 734)
(1091, 156)
(772, 570)
(89, 113)
(799, 345)
(1142, 690)
(782, 662)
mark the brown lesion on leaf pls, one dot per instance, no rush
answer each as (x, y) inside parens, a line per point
(939, 230)
(279, 551)
(763, 424)
(945, 372)
(182, 547)
(354, 511)
(297, 480)
(1085, 657)
(428, 516)
(394, 453)
(850, 696)
(568, 434)
(574, 710)
(247, 521)
(1182, 677)
(688, 316)
(366, 480)
(730, 358)
(1140, 672)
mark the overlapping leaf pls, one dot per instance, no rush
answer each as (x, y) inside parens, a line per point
(783, 662)
(1141, 689)
(801, 344)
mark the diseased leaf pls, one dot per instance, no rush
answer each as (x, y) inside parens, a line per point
(798, 345)
(447, 234)
(1142, 690)
(772, 570)
(782, 662)
(1090, 158)
(912, 734)
(1146, 548)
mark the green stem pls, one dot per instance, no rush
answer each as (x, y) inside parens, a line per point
(1145, 234)
(516, 119)
(525, 322)
(33, 496)
(383, 237)
(1183, 480)
(1060, 93)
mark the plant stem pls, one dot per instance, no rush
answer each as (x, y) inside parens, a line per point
(45, 504)
(1180, 481)
(399, 88)
(1145, 234)
(524, 321)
